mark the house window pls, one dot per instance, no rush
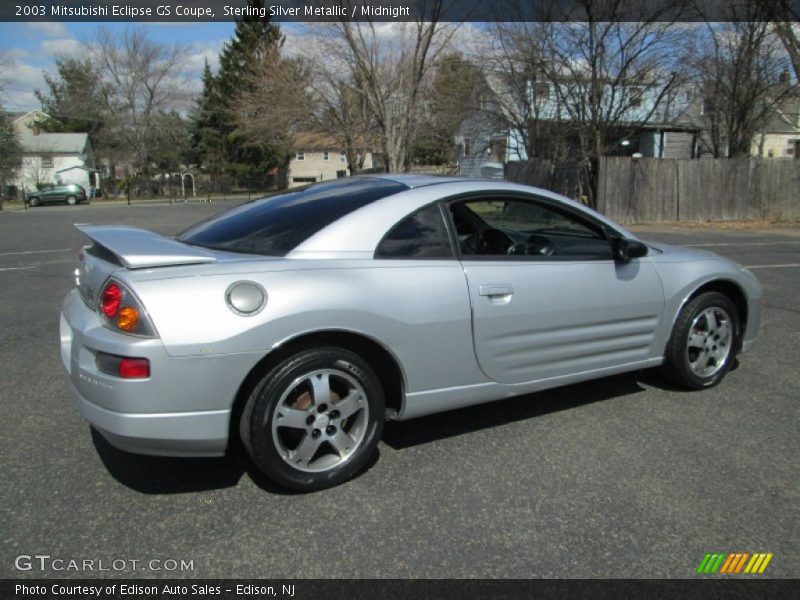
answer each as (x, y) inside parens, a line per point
(47, 162)
(707, 108)
(325, 156)
(541, 92)
(467, 147)
(300, 156)
(636, 98)
(342, 157)
(304, 179)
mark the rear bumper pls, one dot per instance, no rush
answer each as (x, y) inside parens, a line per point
(182, 409)
(171, 434)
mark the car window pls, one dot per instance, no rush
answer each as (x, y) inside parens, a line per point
(276, 225)
(421, 235)
(525, 229)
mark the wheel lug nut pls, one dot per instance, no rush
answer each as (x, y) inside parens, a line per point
(334, 414)
(310, 419)
(330, 430)
(322, 408)
(315, 433)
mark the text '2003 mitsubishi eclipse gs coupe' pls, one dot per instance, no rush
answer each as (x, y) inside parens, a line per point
(300, 322)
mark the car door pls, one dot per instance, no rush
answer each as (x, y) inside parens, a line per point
(51, 195)
(548, 299)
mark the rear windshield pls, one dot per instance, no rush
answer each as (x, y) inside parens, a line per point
(276, 225)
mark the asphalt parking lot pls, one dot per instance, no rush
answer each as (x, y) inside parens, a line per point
(621, 477)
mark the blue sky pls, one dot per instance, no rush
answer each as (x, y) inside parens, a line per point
(32, 48)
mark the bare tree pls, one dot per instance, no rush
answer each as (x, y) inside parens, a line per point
(611, 77)
(518, 64)
(789, 34)
(275, 104)
(146, 80)
(576, 89)
(389, 64)
(343, 114)
(786, 17)
(738, 68)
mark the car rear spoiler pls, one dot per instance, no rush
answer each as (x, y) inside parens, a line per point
(140, 249)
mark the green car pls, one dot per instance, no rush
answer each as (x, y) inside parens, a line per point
(71, 194)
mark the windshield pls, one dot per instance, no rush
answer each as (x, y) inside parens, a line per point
(276, 225)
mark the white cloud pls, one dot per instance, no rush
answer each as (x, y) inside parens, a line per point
(22, 80)
(61, 47)
(48, 29)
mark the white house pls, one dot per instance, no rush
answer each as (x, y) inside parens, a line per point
(319, 158)
(51, 158)
(23, 122)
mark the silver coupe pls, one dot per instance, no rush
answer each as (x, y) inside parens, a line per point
(298, 323)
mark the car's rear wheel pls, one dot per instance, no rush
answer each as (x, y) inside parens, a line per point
(72, 200)
(703, 342)
(314, 420)
(33, 201)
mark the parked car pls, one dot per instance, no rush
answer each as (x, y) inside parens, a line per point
(71, 194)
(299, 322)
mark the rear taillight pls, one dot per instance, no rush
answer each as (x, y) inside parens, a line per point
(134, 368)
(110, 299)
(123, 366)
(122, 311)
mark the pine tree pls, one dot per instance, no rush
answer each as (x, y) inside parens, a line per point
(207, 136)
(9, 152)
(74, 100)
(215, 140)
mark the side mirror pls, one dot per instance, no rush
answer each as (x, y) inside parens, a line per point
(626, 250)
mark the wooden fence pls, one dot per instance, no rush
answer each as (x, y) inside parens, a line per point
(654, 190)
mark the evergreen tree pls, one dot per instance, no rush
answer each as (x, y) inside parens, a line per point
(215, 139)
(74, 100)
(9, 151)
(207, 136)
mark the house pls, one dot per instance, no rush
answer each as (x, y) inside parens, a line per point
(781, 135)
(319, 158)
(50, 158)
(647, 124)
(86, 177)
(23, 122)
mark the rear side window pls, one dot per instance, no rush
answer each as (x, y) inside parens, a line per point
(422, 235)
(276, 225)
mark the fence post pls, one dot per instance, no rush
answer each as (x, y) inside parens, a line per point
(128, 192)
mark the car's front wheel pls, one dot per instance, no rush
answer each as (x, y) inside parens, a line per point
(314, 420)
(72, 200)
(33, 201)
(703, 342)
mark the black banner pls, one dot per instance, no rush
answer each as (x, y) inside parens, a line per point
(305, 589)
(399, 10)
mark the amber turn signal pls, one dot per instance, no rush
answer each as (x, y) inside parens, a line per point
(128, 318)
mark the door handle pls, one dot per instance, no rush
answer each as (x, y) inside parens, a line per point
(495, 289)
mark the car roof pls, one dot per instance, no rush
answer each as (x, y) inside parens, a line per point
(357, 234)
(414, 180)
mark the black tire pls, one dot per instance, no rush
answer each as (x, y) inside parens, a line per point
(33, 202)
(256, 424)
(677, 367)
(72, 200)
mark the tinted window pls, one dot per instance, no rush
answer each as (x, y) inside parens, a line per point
(422, 235)
(525, 229)
(278, 224)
